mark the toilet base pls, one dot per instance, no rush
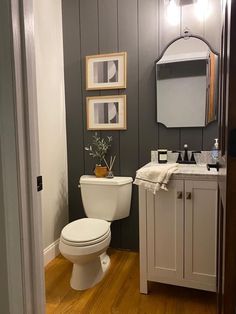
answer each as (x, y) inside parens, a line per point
(87, 275)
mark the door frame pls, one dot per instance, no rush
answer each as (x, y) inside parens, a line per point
(227, 163)
(23, 159)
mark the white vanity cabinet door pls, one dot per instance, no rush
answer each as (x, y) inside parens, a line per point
(200, 234)
(165, 226)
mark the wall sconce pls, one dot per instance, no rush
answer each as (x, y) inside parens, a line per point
(173, 12)
(203, 9)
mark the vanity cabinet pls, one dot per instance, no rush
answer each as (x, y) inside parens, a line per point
(178, 235)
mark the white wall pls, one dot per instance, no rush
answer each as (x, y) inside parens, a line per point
(51, 111)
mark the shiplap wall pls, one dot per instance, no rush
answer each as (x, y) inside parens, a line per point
(140, 28)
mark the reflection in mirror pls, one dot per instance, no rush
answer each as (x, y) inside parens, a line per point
(187, 84)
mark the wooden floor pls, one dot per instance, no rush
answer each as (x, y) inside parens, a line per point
(119, 292)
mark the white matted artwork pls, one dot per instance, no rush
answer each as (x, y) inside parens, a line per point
(106, 71)
(106, 112)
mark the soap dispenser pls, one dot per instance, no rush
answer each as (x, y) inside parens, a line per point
(215, 151)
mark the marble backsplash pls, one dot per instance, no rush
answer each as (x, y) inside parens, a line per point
(201, 158)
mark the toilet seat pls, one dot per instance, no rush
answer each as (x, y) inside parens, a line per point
(85, 232)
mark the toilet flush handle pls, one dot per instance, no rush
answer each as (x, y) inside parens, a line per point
(79, 186)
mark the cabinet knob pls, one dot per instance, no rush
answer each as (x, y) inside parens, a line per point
(179, 195)
(188, 196)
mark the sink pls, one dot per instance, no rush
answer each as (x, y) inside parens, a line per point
(195, 169)
(192, 166)
(191, 169)
(199, 169)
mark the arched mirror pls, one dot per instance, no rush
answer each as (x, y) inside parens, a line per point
(187, 84)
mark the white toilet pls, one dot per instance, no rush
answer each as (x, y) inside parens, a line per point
(84, 242)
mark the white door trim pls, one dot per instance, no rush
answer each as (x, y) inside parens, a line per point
(51, 251)
(27, 157)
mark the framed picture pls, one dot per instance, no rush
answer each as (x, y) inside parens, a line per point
(107, 71)
(106, 112)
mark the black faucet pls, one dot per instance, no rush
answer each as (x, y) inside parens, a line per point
(185, 159)
(193, 156)
(186, 153)
(179, 159)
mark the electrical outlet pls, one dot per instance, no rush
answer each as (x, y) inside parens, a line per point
(39, 183)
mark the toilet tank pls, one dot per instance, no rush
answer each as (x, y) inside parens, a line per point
(107, 199)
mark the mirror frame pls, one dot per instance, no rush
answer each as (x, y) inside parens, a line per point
(186, 36)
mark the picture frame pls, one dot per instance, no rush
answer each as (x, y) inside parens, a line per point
(106, 112)
(106, 71)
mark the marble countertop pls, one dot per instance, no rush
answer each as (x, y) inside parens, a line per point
(197, 171)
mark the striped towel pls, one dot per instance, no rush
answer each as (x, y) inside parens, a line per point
(154, 178)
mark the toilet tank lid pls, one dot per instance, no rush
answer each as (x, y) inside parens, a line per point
(104, 181)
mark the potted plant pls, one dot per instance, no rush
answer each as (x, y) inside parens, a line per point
(98, 150)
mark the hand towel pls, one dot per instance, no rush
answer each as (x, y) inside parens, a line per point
(156, 177)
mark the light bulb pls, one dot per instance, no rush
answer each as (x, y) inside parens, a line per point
(202, 9)
(173, 13)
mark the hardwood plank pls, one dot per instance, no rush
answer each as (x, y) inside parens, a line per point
(128, 41)
(168, 138)
(74, 107)
(148, 50)
(89, 46)
(130, 240)
(192, 137)
(108, 42)
(209, 133)
(119, 291)
(116, 234)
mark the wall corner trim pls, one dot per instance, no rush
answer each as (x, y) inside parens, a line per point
(51, 251)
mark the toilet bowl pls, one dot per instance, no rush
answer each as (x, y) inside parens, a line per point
(84, 241)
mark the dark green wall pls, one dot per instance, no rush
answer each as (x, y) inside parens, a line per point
(138, 27)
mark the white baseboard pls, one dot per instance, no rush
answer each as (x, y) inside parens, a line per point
(50, 252)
